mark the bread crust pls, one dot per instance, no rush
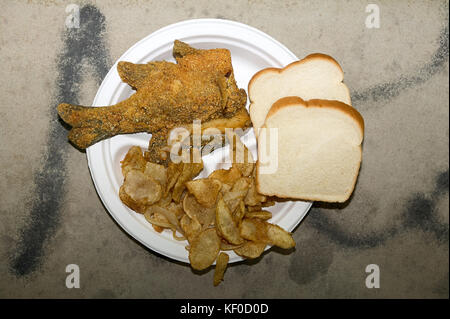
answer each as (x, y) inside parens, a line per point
(295, 100)
(290, 65)
(279, 71)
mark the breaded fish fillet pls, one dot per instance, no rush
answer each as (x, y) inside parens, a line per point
(200, 86)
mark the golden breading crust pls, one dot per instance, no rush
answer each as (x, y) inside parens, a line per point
(200, 86)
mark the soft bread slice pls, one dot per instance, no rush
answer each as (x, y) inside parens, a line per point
(318, 76)
(319, 150)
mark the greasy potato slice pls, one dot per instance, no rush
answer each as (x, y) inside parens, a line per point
(193, 209)
(268, 203)
(191, 227)
(189, 171)
(177, 209)
(226, 225)
(158, 172)
(177, 237)
(250, 249)
(239, 213)
(254, 208)
(226, 176)
(237, 193)
(205, 190)
(141, 189)
(262, 214)
(168, 214)
(173, 172)
(204, 249)
(253, 198)
(225, 188)
(232, 199)
(242, 184)
(224, 245)
(279, 237)
(165, 200)
(240, 155)
(157, 228)
(257, 230)
(253, 231)
(221, 266)
(158, 221)
(127, 200)
(134, 159)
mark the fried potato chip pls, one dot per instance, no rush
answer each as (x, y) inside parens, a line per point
(158, 172)
(204, 249)
(250, 249)
(245, 168)
(226, 225)
(205, 190)
(260, 231)
(225, 188)
(165, 200)
(158, 220)
(253, 231)
(226, 176)
(232, 199)
(127, 200)
(173, 172)
(239, 213)
(221, 266)
(168, 214)
(279, 237)
(240, 155)
(176, 237)
(189, 171)
(133, 160)
(242, 184)
(157, 228)
(268, 203)
(254, 208)
(262, 214)
(253, 198)
(177, 209)
(237, 193)
(139, 190)
(191, 227)
(224, 245)
(193, 209)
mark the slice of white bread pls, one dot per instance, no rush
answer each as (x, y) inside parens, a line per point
(317, 76)
(319, 150)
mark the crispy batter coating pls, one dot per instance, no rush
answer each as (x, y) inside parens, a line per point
(200, 86)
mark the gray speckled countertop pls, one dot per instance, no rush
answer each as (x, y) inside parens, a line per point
(397, 218)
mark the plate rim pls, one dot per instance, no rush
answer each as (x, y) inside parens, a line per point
(135, 234)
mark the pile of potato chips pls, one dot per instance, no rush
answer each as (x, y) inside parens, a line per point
(219, 213)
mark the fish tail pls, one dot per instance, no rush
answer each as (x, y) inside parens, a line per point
(74, 115)
(87, 124)
(83, 137)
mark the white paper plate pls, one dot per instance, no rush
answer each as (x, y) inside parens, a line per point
(251, 51)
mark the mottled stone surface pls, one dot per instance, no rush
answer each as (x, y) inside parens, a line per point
(397, 218)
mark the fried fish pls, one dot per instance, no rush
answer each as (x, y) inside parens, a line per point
(199, 86)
